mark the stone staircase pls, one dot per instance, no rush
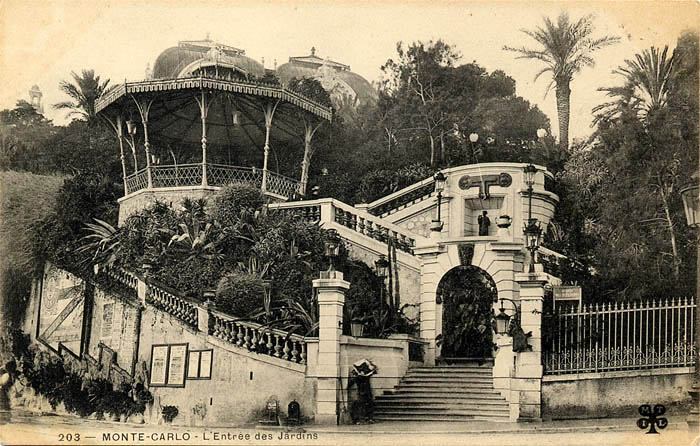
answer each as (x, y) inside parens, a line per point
(458, 392)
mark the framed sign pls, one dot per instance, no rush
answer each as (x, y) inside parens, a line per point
(193, 364)
(199, 364)
(567, 295)
(159, 365)
(176, 365)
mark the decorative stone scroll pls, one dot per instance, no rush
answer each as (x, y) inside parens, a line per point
(485, 182)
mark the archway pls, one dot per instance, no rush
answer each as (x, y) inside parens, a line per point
(467, 294)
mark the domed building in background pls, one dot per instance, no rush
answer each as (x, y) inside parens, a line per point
(345, 87)
(195, 57)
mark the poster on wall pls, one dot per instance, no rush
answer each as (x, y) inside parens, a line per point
(199, 364)
(176, 365)
(205, 364)
(159, 363)
(193, 365)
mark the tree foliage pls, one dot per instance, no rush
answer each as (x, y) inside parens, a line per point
(565, 48)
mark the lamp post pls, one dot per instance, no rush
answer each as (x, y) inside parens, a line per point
(473, 138)
(382, 267)
(331, 245)
(691, 203)
(532, 229)
(440, 179)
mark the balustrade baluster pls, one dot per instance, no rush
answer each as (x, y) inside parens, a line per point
(269, 344)
(246, 338)
(295, 352)
(361, 225)
(278, 347)
(303, 353)
(254, 340)
(240, 335)
(286, 350)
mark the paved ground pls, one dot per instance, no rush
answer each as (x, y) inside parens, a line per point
(31, 428)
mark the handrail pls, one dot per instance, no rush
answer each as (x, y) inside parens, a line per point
(415, 192)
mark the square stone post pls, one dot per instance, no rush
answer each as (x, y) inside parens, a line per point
(430, 274)
(526, 387)
(331, 290)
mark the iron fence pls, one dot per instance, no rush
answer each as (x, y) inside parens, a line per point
(620, 336)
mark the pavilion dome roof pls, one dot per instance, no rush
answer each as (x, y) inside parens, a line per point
(335, 77)
(188, 56)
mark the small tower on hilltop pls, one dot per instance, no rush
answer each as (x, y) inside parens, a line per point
(35, 99)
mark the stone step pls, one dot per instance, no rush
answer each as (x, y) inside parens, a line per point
(444, 412)
(450, 369)
(476, 402)
(455, 378)
(445, 383)
(441, 395)
(439, 418)
(439, 390)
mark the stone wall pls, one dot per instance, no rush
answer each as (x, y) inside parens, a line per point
(173, 196)
(614, 394)
(114, 324)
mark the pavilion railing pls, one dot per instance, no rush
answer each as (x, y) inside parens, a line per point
(221, 175)
(620, 336)
(281, 185)
(217, 175)
(176, 175)
(136, 181)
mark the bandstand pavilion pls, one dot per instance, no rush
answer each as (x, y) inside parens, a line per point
(207, 117)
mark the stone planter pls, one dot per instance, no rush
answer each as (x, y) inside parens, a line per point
(503, 221)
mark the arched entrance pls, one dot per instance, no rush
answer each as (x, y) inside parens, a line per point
(467, 294)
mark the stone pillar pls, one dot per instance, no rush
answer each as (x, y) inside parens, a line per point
(503, 365)
(141, 289)
(429, 278)
(331, 290)
(526, 387)
(203, 317)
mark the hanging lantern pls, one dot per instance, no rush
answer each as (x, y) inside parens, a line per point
(131, 127)
(502, 320)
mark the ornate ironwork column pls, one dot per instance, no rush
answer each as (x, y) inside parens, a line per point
(144, 108)
(204, 110)
(309, 131)
(269, 110)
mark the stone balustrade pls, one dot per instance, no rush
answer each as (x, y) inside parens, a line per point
(123, 277)
(257, 338)
(174, 305)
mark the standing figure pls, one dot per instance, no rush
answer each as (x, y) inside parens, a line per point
(362, 410)
(484, 223)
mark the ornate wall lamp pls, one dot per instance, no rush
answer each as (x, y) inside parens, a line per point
(440, 179)
(503, 319)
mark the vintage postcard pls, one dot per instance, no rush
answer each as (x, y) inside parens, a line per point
(349, 222)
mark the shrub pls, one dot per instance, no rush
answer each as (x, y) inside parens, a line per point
(230, 201)
(239, 293)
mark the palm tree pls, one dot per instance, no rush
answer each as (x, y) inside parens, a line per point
(647, 84)
(84, 92)
(565, 49)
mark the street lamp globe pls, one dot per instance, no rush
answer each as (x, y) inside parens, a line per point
(440, 179)
(541, 133)
(474, 137)
(382, 265)
(530, 171)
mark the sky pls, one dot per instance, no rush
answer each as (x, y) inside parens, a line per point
(42, 41)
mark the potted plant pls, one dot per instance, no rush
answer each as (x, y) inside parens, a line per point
(169, 413)
(503, 221)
